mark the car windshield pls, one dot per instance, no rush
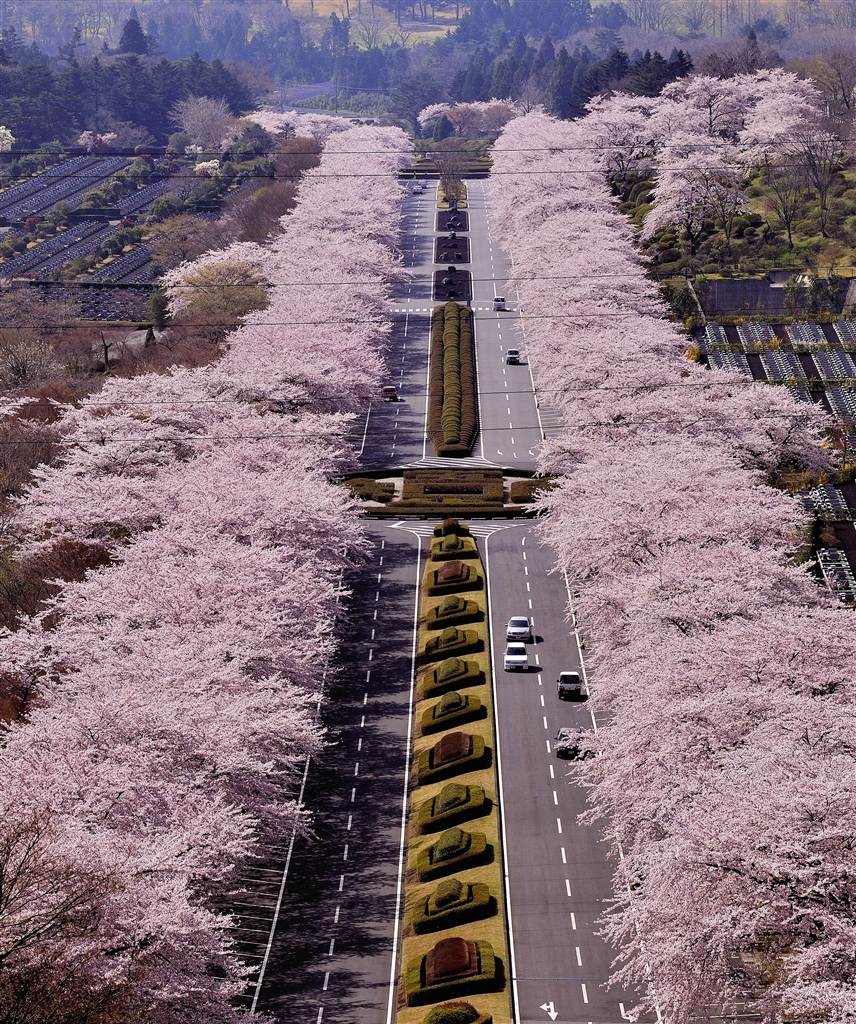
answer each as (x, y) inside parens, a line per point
(519, 622)
(516, 649)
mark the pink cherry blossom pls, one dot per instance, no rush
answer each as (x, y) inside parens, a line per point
(721, 672)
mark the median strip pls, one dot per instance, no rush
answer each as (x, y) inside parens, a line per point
(454, 950)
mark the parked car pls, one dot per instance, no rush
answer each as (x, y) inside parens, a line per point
(499, 302)
(389, 393)
(518, 628)
(569, 686)
(513, 356)
(516, 657)
(568, 744)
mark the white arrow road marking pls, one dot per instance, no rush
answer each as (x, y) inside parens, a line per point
(550, 1010)
(625, 1015)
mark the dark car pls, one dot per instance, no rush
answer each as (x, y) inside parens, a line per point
(389, 393)
(568, 744)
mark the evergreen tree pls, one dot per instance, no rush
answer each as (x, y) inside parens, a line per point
(133, 39)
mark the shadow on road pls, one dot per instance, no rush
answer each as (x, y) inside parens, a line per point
(342, 883)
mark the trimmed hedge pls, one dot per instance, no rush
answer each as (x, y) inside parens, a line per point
(454, 804)
(371, 490)
(453, 576)
(455, 753)
(451, 526)
(450, 674)
(452, 546)
(452, 487)
(453, 1013)
(453, 708)
(522, 492)
(452, 611)
(455, 850)
(453, 903)
(454, 967)
(452, 641)
(452, 401)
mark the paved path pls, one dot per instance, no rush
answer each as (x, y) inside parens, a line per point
(512, 426)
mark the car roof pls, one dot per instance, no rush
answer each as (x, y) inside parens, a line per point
(519, 618)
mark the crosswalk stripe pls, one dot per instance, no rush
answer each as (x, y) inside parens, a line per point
(437, 462)
(426, 529)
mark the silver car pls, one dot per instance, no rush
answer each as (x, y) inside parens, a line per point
(518, 628)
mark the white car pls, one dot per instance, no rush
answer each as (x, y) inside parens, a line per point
(516, 657)
(518, 628)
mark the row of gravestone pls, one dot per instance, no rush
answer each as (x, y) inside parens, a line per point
(455, 965)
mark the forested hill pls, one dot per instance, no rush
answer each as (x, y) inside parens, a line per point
(43, 98)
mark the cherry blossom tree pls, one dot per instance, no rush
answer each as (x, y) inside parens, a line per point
(721, 673)
(697, 181)
(174, 690)
(621, 133)
(471, 120)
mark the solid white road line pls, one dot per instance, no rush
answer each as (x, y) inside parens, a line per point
(391, 1005)
(280, 895)
(515, 1012)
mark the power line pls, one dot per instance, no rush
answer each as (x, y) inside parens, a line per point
(420, 432)
(632, 387)
(391, 318)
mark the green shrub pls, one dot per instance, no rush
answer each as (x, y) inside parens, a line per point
(452, 904)
(453, 754)
(455, 850)
(452, 403)
(450, 674)
(371, 490)
(452, 641)
(452, 611)
(522, 492)
(453, 546)
(476, 486)
(453, 708)
(454, 967)
(452, 1013)
(452, 577)
(451, 526)
(453, 805)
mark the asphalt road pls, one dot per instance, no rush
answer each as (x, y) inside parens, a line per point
(393, 433)
(559, 879)
(332, 951)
